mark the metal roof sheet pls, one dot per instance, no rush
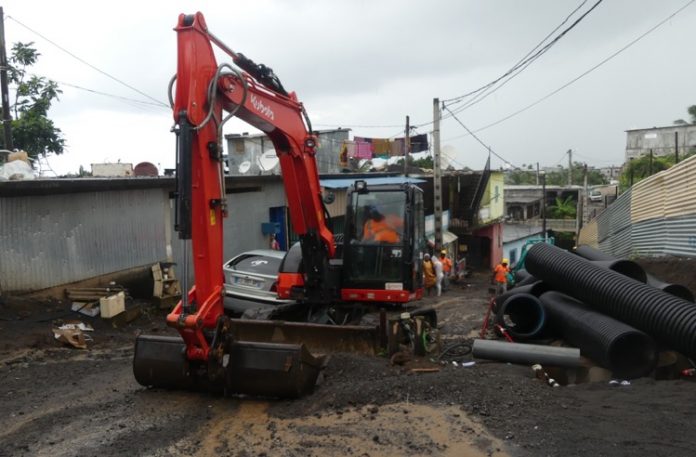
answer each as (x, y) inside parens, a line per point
(345, 183)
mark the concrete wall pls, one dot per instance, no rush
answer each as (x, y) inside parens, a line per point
(660, 140)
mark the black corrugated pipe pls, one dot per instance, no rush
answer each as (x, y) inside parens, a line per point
(521, 274)
(529, 279)
(677, 290)
(522, 315)
(627, 352)
(536, 288)
(625, 267)
(661, 315)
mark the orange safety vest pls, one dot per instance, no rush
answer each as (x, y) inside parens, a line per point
(380, 231)
(501, 273)
(446, 264)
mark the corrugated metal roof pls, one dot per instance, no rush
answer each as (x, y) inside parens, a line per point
(345, 183)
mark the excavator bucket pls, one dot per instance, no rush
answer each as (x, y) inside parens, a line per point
(318, 338)
(251, 368)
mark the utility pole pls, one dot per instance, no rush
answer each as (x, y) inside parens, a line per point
(6, 117)
(676, 147)
(650, 169)
(570, 167)
(537, 174)
(407, 144)
(543, 204)
(437, 175)
(582, 216)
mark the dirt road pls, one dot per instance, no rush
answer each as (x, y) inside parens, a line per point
(59, 401)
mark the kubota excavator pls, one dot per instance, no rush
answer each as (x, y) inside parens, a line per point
(267, 358)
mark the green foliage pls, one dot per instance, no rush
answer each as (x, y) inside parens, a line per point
(692, 112)
(425, 162)
(564, 209)
(32, 130)
(556, 178)
(641, 168)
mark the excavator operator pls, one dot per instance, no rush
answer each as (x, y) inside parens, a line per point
(381, 228)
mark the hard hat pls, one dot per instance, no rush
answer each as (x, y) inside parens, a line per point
(505, 261)
(444, 251)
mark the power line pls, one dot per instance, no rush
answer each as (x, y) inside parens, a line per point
(105, 94)
(88, 64)
(532, 55)
(490, 150)
(550, 94)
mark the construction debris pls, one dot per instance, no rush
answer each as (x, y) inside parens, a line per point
(72, 333)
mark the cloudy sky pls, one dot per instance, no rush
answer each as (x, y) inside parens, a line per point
(367, 64)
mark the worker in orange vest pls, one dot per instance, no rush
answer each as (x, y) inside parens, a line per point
(382, 228)
(499, 277)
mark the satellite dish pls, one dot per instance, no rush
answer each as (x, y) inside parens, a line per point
(268, 160)
(244, 166)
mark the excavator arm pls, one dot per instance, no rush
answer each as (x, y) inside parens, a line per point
(205, 92)
(210, 351)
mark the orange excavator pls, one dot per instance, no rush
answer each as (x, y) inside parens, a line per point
(270, 358)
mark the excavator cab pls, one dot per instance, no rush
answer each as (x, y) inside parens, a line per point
(384, 241)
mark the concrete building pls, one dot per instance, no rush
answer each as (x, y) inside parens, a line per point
(660, 140)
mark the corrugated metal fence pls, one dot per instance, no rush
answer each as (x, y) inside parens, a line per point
(57, 239)
(656, 217)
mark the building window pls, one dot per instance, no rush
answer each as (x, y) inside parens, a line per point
(513, 256)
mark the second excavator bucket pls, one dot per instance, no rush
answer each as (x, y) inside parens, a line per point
(271, 369)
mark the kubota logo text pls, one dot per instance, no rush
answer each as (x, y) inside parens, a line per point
(261, 108)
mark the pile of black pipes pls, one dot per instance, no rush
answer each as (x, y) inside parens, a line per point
(677, 290)
(628, 352)
(668, 318)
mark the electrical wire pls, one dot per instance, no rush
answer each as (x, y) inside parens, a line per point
(531, 56)
(490, 150)
(106, 94)
(87, 63)
(582, 75)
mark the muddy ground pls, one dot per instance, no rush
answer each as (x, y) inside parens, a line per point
(61, 401)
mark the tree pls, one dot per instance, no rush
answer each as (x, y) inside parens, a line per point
(640, 168)
(564, 209)
(692, 112)
(32, 130)
(557, 177)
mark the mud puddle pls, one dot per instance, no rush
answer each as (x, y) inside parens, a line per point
(391, 430)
